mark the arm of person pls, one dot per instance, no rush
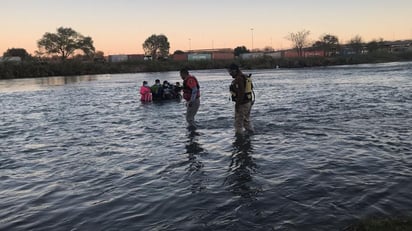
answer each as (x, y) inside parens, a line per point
(193, 96)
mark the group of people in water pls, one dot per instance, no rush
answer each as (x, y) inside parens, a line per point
(160, 91)
(241, 90)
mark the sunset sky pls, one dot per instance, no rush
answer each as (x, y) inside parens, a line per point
(122, 26)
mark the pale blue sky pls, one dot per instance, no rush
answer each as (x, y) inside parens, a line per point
(121, 26)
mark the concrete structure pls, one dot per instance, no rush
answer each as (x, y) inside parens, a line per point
(253, 55)
(199, 56)
(223, 55)
(135, 57)
(180, 57)
(313, 53)
(205, 54)
(118, 58)
(275, 55)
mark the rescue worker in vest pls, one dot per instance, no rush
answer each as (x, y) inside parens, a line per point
(191, 93)
(241, 91)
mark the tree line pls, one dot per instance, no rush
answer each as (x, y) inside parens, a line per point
(330, 44)
(67, 52)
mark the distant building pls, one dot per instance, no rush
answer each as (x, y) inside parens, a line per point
(290, 54)
(253, 55)
(228, 53)
(223, 55)
(135, 57)
(313, 53)
(118, 58)
(275, 54)
(205, 54)
(399, 46)
(199, 56)
(180, 57)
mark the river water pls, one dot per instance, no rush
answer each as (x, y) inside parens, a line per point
(332, 145)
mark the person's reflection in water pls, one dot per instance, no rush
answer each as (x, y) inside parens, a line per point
(242, 168)
(195, 173)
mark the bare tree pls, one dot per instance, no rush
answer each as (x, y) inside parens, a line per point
(300, 40)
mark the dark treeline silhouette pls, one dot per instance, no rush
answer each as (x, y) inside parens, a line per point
(31, 68)
(67, 52)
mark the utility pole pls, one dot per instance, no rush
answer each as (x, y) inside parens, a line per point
(252, 38)
(190, 44)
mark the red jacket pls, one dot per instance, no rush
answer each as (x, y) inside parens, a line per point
(146, 94)
(188, 84)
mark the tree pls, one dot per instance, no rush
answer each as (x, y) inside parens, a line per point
(86, 45)
(65, 43)
(356, 44)
(16, 52)
(299, 40)
(178, 52)
(240, 50)
(375, 45)
(328, 43)
(268, 49)
(99, 54)
(156, 46)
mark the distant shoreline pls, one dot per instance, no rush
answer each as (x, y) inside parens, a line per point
(30, 69)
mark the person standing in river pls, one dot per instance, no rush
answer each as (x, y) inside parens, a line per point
(242, 95)
(145, 92)
(157, 90)
(191, 93)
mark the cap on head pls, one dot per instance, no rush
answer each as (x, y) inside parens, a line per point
(233, 67)
(184, 71)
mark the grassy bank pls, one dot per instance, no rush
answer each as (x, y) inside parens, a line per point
(27, 69)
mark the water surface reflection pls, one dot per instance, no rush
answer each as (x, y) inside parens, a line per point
(195, 167)
(242, 168)
(35, 84)
(332, 145)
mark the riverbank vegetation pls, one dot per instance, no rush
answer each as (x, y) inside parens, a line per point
(36, 68)
(67, 52)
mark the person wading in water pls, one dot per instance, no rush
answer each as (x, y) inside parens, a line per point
(242, 95)
(191, 93)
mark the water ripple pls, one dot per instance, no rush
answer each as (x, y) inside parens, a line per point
(331, 144)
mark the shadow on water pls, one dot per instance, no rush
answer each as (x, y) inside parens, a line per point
(242, 168)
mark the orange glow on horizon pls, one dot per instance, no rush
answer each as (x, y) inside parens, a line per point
(117, 28)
